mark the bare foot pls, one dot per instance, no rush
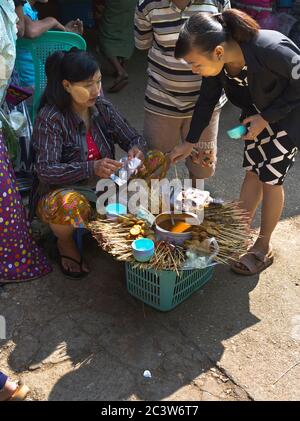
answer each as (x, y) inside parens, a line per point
(67, 247)
(8, 390)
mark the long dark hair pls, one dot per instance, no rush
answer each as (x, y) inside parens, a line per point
(75, 66)
(205, 31)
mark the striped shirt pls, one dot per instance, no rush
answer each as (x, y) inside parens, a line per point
(61, 149)
(172, 88)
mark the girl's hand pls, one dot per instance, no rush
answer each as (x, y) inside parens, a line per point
(257, 125)
(104, 168)
(181, 152)
(135, 152)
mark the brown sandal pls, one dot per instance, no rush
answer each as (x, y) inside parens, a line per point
(254, 261)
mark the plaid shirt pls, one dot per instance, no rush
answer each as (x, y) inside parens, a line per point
(59, 141)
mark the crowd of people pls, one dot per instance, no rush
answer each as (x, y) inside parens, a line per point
(201, 53)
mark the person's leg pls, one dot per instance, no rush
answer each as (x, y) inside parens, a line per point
(250, 197)
(117, 65)
(67, 247)
(251, 193)
(161, 132)
(272, 206)
(121, 79)
(272, 196)
(198, 173)
(65, 210)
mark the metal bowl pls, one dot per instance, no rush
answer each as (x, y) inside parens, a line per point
(177, 238)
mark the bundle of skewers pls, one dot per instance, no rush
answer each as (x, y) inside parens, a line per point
(228, 223)
(116, 237)
(167, 257)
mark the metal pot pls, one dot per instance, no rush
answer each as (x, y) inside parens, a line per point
(177, 238)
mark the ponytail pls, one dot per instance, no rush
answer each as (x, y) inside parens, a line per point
(241, 27)
(205, 31)
(75, 66)
(54, 93)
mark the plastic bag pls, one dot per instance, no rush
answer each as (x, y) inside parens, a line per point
(203, 257)
(17, 121)
(129, 169)
(11, 139)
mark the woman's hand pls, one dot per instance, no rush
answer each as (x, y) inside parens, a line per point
(104, 168)
(75, 26)
(135, 152)
(257, 125)
(181, 152)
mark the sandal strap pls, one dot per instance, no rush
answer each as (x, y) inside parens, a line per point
(261, 256)
(248, 260)
(78, 262)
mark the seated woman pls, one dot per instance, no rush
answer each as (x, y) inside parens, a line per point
(74, 139)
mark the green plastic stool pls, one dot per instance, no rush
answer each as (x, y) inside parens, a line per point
(41, 48)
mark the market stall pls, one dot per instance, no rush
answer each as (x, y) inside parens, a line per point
(169, 255)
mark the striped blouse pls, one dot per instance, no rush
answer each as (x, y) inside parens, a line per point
(60, 144)
(172, 88)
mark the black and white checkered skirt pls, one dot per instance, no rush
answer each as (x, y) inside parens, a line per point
(270, 155)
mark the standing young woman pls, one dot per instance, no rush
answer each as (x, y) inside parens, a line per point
(258, 70)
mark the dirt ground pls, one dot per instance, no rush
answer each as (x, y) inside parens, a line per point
(235, 339)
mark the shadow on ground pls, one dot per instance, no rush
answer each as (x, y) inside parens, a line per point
(110, 338)
(90, 340)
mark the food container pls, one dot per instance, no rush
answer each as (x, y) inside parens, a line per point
(237, 132)
(143, 249)
(175, 228)
(192, 200)
(114, 210)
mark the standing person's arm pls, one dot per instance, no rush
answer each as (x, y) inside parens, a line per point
(210, 92)
(21, 21)
(143, 31)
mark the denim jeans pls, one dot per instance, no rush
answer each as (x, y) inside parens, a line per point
(3, 380)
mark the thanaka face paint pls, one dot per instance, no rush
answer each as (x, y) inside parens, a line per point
(80, 94)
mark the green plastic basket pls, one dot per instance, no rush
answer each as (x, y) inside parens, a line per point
(164, 290)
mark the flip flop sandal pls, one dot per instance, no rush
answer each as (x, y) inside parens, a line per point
(255, 262)
(118, 85)
(69, 273)
(20, 393)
